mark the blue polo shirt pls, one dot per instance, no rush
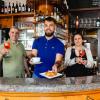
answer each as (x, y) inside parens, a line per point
(47, 50)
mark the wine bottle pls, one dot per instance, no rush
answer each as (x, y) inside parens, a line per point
(13, 8)
(77, 22)
(23, 8)
(19, 7)
(9, 8)
(98, 22)
(5, 9)
(2, 10)
(55, 13)
(29, 8)
(16, 8)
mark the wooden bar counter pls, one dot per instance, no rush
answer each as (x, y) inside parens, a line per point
(48, 89)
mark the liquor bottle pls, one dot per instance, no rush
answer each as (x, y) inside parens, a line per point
(55, 13)
(28, 8)
(23, 8)
(52, 14)
(77, 22)
(98, 22)
(9, 8)
(19, 7)
(13, 8)
(16, 8)
(5, 9)
(2, 10)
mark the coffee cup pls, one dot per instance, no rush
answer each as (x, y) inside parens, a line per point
(35, 59)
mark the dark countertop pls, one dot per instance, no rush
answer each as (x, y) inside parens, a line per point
(47, 85)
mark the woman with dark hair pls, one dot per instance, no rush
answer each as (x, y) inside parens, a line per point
(78, 59)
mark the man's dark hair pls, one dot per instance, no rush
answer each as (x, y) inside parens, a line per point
(50, 19)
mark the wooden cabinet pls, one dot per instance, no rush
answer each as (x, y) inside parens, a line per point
(80, 95)
(93, 96)
(33, 98)
(8, 20)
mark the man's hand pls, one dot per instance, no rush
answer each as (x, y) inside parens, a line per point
(28, 74)
(54, 68)
(4, 51)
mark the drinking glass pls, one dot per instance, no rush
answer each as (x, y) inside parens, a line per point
(7, 46)
(81, 53)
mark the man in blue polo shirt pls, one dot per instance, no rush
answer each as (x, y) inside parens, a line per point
(48, 48)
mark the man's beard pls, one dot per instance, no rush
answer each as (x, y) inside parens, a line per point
(49, 34)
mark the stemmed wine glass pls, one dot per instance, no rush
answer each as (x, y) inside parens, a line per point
(7, 46)
(81, 53)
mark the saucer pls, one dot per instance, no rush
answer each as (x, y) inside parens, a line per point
(34, 63)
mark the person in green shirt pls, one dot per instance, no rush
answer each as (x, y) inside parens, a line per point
(13, 54)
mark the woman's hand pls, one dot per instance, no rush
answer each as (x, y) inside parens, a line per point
(80, 60)
(84, 62)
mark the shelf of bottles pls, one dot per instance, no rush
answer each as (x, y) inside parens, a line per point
(85, 22)
(14, 8)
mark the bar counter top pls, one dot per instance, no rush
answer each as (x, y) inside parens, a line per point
(46, 85)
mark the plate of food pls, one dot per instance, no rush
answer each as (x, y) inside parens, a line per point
(50, 74)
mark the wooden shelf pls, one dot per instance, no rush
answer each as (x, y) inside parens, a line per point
(18, 14)
(85, 9)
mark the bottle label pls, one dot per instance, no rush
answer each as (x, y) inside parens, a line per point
(98, 22)
(16, 10)
(5, 10)
(12, 10)
(23, 8)
(9, 10)
(29, 9)
(2, 10)
(19, 9)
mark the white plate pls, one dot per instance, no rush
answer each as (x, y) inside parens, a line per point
(43, 74)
